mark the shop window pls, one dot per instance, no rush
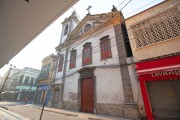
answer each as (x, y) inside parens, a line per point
(105, 47)
(61, 60)
(87, 54)
(72, 59)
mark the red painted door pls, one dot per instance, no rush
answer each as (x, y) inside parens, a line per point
(87, 95)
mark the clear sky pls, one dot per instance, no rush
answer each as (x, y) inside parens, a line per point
(44, 44)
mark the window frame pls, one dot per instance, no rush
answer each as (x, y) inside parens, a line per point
(61, 61)
(26, 81)
(105, 48)
(66, 29)
(87, 56)
(87, 27)
(72, 63)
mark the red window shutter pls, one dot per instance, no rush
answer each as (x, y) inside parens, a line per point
(105, 49)
(109, 49)
(72, 59)
(87, 55)
(60, 67)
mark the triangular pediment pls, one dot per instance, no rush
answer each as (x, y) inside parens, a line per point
(91, 24)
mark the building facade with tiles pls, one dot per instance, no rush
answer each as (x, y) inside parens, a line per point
(154, 36)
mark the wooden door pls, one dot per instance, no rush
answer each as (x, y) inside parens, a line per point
(87, 95)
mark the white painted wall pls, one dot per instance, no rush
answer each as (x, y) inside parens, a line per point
(109, 86)
(96, 55)
(71, 88)
(109, 83)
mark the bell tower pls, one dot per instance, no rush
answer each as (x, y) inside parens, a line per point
(68, 25)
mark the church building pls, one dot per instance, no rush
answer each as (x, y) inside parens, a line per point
(94, 71)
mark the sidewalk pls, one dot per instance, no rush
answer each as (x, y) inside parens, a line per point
(8, 115)
(77, 114)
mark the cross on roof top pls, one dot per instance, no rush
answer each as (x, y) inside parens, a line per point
(89, 7)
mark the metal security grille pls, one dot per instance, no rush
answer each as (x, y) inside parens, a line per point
(159, 28)
(164, 98)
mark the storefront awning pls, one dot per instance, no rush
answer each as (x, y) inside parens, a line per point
(161, 69)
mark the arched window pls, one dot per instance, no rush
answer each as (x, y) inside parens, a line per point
(87, 54)
(105, 47)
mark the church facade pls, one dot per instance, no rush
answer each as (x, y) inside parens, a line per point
(94, 71)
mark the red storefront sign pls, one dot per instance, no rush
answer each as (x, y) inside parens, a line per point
(161, 69)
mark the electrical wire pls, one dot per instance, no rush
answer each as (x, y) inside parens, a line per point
(97, 28)
(140, 7)
(77, 44)
(120, 33)
(125, 5)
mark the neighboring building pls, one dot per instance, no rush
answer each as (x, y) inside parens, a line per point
(27, 83)
(154, 35)
(45, 79)
(10, 82)
(93, 73)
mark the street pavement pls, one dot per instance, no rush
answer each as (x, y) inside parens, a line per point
(32, 112)
(8, 115)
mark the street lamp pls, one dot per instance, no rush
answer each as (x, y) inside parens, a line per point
(9, 71)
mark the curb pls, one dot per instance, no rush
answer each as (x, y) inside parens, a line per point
(64, 113)
(90, 117)
(14, 115)
(4, 107)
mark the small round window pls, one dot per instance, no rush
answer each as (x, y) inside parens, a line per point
(87, 27)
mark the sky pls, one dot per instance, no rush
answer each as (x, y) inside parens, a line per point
(44, 44)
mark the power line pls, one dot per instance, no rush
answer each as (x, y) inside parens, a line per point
(141, 7)
(77, 44)
(114, 37)
(102, 24)
(95, 51)
(125, 5)
(105, 22)
(120, 3)
(97, 28)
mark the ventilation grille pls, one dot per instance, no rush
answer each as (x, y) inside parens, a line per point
(156, 29)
